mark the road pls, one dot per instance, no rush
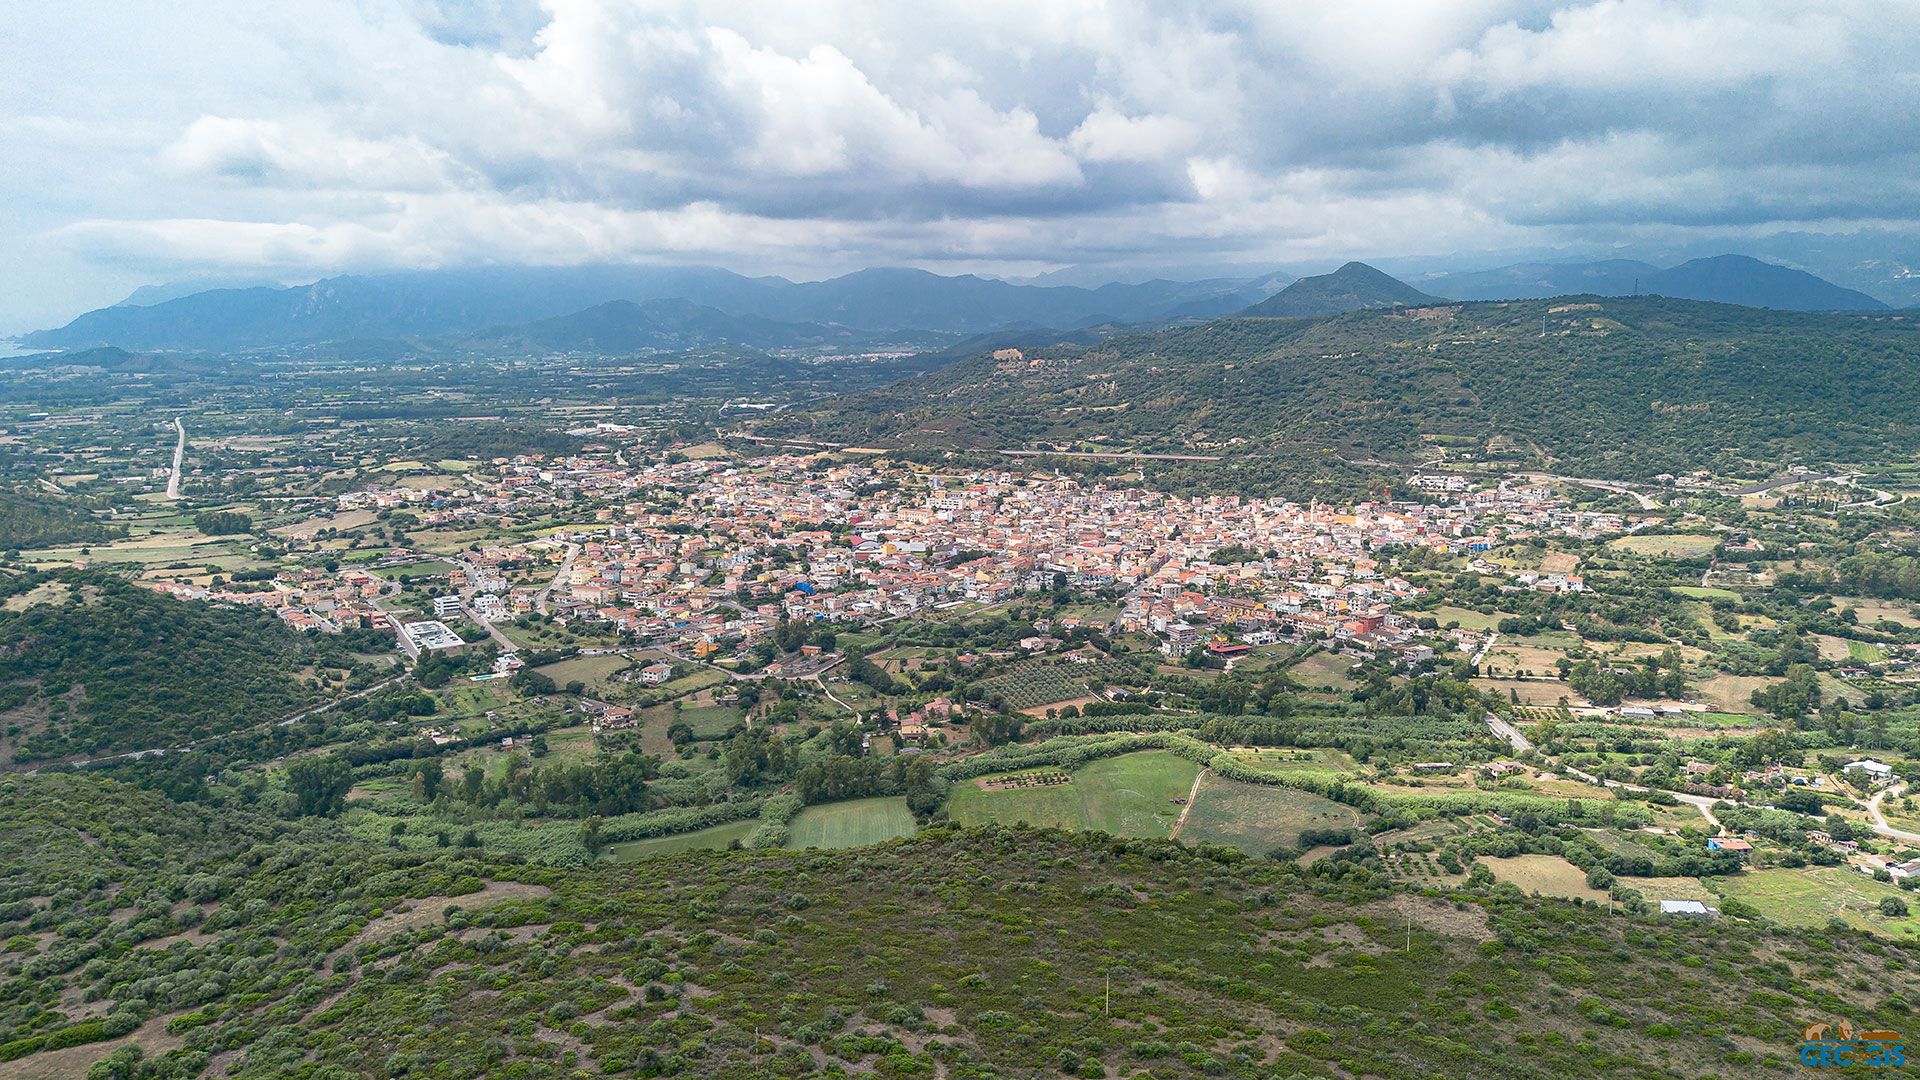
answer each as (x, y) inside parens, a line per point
(314, 710)
(1521, 745)
(1647, 502)
(466, 600)
(1880, 820)
(179, 456)
(1485, 648)
(1507, 731)
(562, 574)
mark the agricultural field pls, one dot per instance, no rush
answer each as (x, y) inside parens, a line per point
(1531, 691)
(595, 672)
(1547, 875)
(1323, 669)
(1257, 818)
(1281, 762)
(1703, 592)
(1732, 693)
(1678, 546)
(1811, 895)
(1468, 619)
(710, 721)
(1047, 680)
(712, 838)
(853, 823)
(1129, 795)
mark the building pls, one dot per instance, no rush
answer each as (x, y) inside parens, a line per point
(655, 674)
(431, 636)
(444, 606)
(1693, 909)
(1878, 772)
(1730, 843)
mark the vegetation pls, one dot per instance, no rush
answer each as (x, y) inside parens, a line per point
(1615, 386)
(182, 936)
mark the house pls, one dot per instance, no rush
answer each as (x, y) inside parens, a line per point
(1688, 908)
(444, 606)
(655, 674)
(1730, 843)
(1878, 772)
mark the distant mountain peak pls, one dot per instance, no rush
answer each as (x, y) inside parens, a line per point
(1725, 279)
(1353, 287)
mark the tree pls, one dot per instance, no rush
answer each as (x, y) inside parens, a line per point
(1893, 907)
(590, 834)
(320, 785)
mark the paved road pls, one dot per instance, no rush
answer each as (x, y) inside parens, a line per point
(1510, 733)
(1647, 502)
(179, 456)
(1880, 820)
(566, 569)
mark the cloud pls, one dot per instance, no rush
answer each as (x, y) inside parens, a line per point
(341, 134)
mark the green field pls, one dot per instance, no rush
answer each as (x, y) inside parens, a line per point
(710, 721)
(1678, 546)
(595, 672)
(1259, 817)
(853, 823)
(711, 838)
(1703, 592)
(1865, 652)
(1811, 896)
(1129, 795)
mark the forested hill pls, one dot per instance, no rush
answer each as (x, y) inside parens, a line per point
(1624, 387)
(163, 940)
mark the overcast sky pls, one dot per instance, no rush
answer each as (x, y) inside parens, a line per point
(144, 142)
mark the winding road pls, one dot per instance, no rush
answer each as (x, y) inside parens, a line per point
(1880, 820)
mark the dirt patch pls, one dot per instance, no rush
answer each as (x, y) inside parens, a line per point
(431, 909)
(1435, 915)
(191, 937)
(151, 1037)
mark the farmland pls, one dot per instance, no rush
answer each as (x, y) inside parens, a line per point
(1041, 681)
(1129, 795)
(1812, 895)
(854, 823)
(708, 839)
(1545, 875)
(1258, 818)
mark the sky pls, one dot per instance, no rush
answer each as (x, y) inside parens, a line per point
(240, 141)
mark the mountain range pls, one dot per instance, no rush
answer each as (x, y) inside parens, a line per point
(1727, 279)
(568, 308)
(434, 303)
(1626, 387)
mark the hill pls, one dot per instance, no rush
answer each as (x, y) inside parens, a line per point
(1728, 279)
(431, 303)
(619, 326)
(1353, 287)
(1627, 387)
(90, 664)
(195, 940)
(32, 519)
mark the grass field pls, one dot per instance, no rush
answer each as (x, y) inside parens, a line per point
(1703, 592)
(1680, 546)
(1865, 652)
(593, 671)
(854, 823)
(710, 721)
(708, 839)
(1129, 795)
(1257, 818)
(1733, 693)
(1814, 894)
(1548, 875)
(1323, 669)
(1468, 619)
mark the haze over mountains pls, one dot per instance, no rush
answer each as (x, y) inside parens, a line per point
(614, 309)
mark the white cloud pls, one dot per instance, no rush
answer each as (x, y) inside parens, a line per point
(339, 134)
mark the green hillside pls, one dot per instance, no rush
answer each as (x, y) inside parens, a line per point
(178, 941)
(1624, 387)
(91, 664)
